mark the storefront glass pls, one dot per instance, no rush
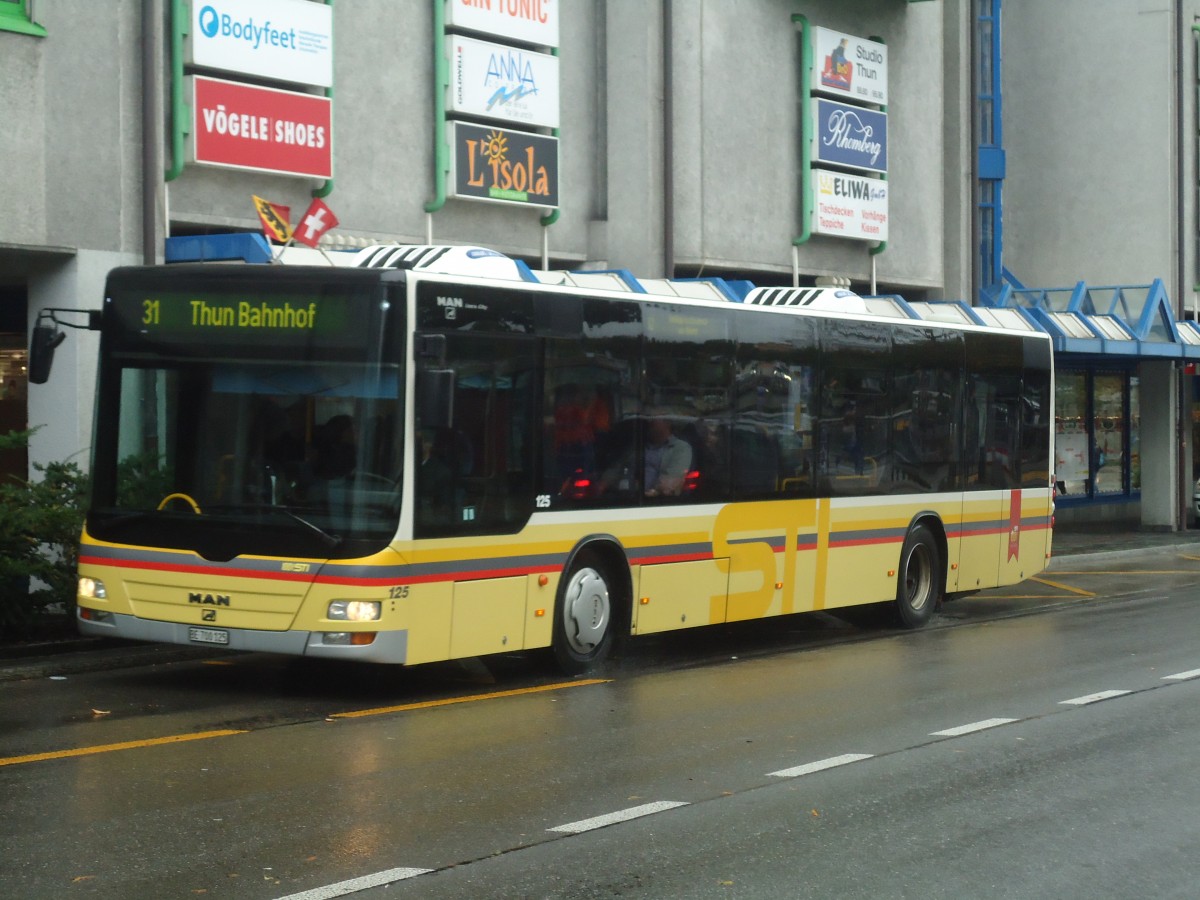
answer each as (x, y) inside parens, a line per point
(1108, 433)
(1071, 434)
(14, 383)
(1096, 446)
(1135, 455)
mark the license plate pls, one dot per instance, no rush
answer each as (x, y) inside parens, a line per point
(208, 635)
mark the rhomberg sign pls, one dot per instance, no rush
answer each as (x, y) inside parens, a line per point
(505, 166)
(243, 126)
(850, 136)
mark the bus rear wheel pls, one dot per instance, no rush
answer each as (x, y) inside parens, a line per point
(919, 578)
(583, 617)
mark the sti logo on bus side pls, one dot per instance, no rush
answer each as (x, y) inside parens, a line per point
(209, 599)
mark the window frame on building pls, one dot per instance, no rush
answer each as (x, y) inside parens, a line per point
(15, 15)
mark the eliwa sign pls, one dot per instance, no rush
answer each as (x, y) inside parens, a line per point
(849, 206)
(284, 40)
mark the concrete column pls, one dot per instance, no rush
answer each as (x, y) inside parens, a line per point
(634, 116)
(61, 409)
(1158, 402)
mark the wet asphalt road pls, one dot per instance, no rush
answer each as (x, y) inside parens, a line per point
(1037, 742)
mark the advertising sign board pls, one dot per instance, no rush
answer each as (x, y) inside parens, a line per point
(497, 81)
(529, 21)
(244, 126)
(849, 136)
(849, 206)
(284, 40)
(504, 166)
(849, 66)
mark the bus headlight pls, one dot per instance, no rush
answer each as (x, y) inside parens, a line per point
(92, 589)
(355, 610)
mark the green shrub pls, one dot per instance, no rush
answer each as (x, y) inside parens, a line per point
(40, 524)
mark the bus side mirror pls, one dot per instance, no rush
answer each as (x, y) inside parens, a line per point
(435, 398)
(41, 352)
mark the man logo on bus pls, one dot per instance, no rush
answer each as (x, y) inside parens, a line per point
(450, 306)
(208, 599)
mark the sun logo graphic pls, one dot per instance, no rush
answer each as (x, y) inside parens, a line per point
(495, 147)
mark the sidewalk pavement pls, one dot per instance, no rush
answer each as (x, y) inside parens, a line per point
(1083, 540)
(1071, 544)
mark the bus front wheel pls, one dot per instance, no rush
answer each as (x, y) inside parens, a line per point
(919, 578)
(583, 619)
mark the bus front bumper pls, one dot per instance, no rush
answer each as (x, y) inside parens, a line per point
(387, 646)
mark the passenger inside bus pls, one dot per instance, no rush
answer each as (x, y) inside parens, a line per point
(666, 464)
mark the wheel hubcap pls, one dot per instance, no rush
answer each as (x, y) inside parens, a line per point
(918, 577)
(586, 610)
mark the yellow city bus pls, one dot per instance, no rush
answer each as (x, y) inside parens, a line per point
(389, 463)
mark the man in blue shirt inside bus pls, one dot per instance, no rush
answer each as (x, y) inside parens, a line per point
(667, 460)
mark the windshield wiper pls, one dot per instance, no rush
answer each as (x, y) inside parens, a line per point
(329, 540)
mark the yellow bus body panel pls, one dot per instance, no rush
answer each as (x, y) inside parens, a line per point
(469, 596)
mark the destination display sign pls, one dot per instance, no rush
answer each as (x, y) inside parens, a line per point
(208, 321)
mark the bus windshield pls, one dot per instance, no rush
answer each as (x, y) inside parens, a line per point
(259, 439)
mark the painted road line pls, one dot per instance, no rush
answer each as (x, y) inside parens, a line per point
(820, 765)
(472, 698)
(1182, 676)
(109, 748)
(974, 726)
(1063, 587)
(1093, 698)
(342, 888)
(623, 815)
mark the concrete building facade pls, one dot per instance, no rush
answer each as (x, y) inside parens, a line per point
(681, 151)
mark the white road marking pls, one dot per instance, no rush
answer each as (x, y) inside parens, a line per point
(342, 888)
(974, 726)
(622, 815)
(1093, 698)
(1182, 676)
(821, 765)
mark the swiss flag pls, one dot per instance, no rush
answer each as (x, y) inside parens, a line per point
(317, 220)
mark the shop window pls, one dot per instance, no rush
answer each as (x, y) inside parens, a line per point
(15, 16)
(14, 383)
(1071, 434)
(1096, 445)
(1135, 456)
(1108, 433)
